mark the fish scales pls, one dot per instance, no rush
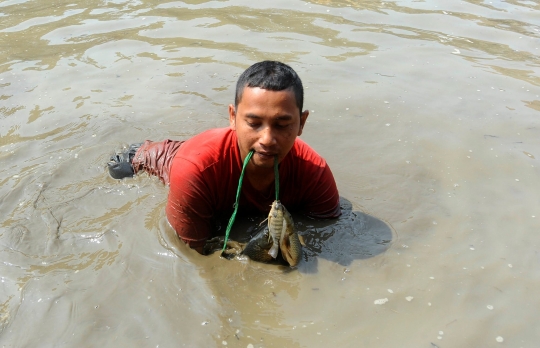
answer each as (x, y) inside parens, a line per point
(290, 245)
(276, 226)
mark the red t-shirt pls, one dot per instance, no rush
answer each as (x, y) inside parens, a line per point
(204, 178)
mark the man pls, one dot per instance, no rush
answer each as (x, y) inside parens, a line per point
(203, 172)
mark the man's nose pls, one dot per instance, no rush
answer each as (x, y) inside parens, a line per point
(267, 137)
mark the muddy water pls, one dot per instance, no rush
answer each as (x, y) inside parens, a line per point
(428, 113)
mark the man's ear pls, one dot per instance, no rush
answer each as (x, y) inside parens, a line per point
(303, 118)
(232, 117)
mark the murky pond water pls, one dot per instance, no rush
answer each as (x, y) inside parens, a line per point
(428, 113)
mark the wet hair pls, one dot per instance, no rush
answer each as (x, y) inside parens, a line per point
(273, 76)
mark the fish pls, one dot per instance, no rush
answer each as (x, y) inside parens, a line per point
(290, 243)
(280, 234)
(276, 226)
(291, 247)
(257, 248)
(232, 248)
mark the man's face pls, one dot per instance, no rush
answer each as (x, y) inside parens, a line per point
(267, 122)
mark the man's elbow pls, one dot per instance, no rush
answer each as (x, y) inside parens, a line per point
(195, 245)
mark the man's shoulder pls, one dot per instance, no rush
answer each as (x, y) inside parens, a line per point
(208, 148)
(305, 155)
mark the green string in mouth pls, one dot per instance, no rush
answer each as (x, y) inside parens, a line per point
(239, 189)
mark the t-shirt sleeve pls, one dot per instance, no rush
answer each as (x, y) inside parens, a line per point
(189, 207)
(322, 195)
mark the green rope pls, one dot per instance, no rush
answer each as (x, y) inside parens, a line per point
(233, 216)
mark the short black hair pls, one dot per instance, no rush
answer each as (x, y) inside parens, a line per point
(273, 76)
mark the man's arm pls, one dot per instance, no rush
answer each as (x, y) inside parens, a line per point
(323, 196)
(188, 210)
(189, 207)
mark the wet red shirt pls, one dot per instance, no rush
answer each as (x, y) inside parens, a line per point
(204, 178)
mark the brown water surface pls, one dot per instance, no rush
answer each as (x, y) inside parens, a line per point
(428, 113)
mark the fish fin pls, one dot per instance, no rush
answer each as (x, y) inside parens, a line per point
(262, 222)
(273, 250)
(301, 238)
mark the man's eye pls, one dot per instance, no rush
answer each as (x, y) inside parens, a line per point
(282, 125)
(253, 125)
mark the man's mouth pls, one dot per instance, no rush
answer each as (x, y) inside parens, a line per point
(266, 155)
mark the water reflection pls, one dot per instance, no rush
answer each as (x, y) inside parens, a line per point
(353, 236)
